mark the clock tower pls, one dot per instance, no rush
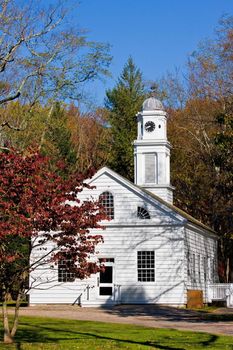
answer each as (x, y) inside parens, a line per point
(152, 150)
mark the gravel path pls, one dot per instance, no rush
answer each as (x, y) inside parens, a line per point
(144, 315)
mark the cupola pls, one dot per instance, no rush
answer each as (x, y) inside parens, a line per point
(152, 150)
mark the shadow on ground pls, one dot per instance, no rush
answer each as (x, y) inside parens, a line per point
(166, 313)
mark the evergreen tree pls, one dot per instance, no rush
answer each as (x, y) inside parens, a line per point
(123, 102)
(57, 143)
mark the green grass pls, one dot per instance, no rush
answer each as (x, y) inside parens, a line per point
(58, 334)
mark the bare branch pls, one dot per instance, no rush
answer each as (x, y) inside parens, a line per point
(8, 57)
(19, 91)
(7, 124)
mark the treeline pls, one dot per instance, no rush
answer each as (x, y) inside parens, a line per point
(200, 129)
(78, 141)
(201, 132)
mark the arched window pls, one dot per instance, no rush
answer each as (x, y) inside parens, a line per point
(107, 200)
(143, 213)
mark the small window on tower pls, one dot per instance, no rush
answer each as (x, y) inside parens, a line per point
(107, 201)
(143, 213)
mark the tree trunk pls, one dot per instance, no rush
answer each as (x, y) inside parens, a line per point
(16, 316)
(42, 139)
(7, 334)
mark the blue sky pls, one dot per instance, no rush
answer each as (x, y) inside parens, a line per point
(158, 34)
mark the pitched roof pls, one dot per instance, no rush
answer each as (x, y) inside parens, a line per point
(172, 207)
(180, 211)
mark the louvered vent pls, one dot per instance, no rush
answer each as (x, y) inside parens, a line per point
(143, 213)
(150, 168)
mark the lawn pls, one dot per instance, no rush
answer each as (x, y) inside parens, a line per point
(58, 334)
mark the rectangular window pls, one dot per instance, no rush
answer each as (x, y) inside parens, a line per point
(106, 260)
(214, 270)
(146, 266)
(188, 264)
(199, 268)
(65, 273)
(193, 268)
(150, 168)
(205, 267)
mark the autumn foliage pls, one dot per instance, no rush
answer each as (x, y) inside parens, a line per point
(38, 207)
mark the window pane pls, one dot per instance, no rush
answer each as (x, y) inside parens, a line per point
(146, 266)
(106, 276)
(65, 273)
(105, 260)
(105, 290)
(107, 201)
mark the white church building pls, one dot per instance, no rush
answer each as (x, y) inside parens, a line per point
(153, 251)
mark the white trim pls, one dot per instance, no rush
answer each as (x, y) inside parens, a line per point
(146, 283)
(139, 223)
(201, 230)
(98, 284)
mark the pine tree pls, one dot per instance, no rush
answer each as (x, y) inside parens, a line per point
(58, 143)
(123, 102)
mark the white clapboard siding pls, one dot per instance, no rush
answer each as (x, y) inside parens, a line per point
(167, 233)
(202, 244)
(122, 245)
(125, 201)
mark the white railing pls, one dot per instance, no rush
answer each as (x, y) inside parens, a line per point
(89, 294)
(117, 293)
(221, 291)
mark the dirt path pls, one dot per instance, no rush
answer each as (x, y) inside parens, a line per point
(144, 315)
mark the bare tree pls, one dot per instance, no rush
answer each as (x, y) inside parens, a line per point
(42, 58)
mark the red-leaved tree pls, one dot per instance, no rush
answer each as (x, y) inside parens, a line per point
(38, 208)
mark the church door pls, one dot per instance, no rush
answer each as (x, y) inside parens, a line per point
(106, 280)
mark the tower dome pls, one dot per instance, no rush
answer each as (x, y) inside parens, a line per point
(151, 104)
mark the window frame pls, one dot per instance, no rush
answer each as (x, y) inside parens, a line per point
(63, 273)
(199, 267)
(109, 209)
(141, 215)
(193, 270)
(188, 259)
(146, 268)
(205, 269)
(147, 158)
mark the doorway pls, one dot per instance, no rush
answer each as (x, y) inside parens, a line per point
(106, 279)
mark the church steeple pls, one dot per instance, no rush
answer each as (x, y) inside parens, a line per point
(152, 150)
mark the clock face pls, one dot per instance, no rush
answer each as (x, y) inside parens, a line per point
(149, 126)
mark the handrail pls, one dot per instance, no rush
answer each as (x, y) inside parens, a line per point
(87, 288)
